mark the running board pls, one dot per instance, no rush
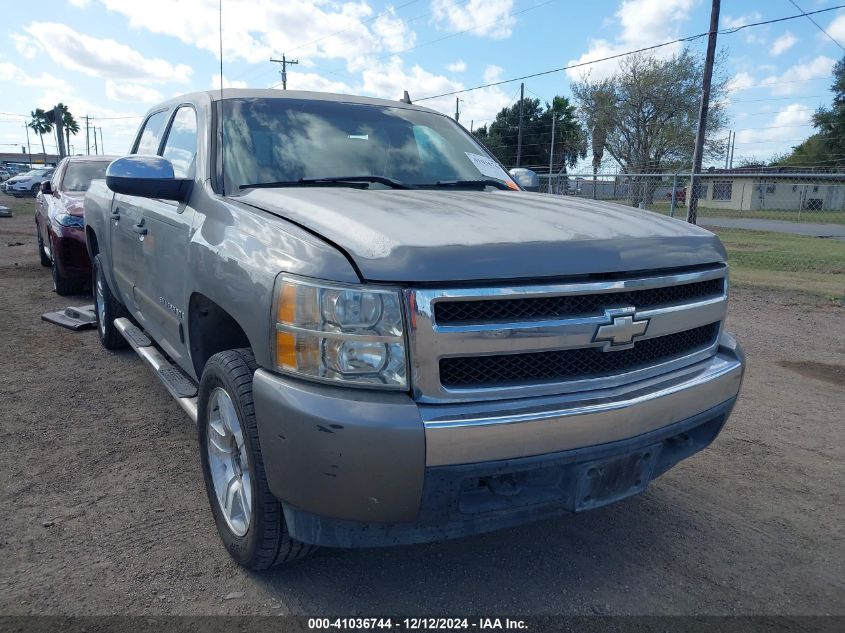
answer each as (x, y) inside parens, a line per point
(177, 383)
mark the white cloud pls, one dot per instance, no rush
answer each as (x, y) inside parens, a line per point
(25, 46)
(80, 3)
(393, 32)
(729, 22)
(642, 22)
(793, 79)
(484, 18)
(227, 83)
(783, 44)
(784, 126)
(132, 93)
(836, 28)
(10, 72)
(740, 81)
(317, 83)
(457, 67)
(105, 58)
(751, 36)
(260, 29)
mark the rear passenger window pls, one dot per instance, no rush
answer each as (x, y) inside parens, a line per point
(151, 135)
(180, 148)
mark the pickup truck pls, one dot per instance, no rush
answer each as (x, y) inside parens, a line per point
(383, 339)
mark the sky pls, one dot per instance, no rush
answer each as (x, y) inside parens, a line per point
(113, 59)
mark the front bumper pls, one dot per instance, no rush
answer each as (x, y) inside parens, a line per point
(71, 252)
(358, 468)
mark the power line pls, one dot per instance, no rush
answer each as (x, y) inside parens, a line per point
(689, 38)
(818, 26)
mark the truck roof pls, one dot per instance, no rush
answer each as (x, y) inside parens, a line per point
(270, 93)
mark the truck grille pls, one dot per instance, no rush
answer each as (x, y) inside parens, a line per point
(481, 343)
(536, 308)
(568, 364)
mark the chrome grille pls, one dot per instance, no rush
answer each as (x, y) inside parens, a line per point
(502, 310)
(585, 362)
(482, 343)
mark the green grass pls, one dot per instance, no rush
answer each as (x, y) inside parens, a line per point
(782, 260)
(19, 206)
(791, 215)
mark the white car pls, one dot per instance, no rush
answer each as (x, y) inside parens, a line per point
(29, 183)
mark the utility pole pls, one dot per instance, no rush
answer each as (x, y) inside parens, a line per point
(733, 145)
(87, 137)
(96, 151)
(552, 152)
(728, 149)
(60, 135)
(457, 108)
(28, 148)
(519, 132)
(102, 142)
(284, 71)
(692, 194)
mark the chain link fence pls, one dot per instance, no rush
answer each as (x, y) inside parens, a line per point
(782, 228)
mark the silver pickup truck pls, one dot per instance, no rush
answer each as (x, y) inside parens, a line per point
(382, 339)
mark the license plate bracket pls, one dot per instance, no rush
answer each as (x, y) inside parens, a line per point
(605, 481)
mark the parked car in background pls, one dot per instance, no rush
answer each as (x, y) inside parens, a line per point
(4, 175)
(680, 195)
(60, 224)
(28, 184)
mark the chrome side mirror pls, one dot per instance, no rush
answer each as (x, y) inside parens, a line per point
(147, 177)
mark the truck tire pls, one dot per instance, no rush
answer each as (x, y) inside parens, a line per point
(107, 308)
(249, 518)
(42, 253)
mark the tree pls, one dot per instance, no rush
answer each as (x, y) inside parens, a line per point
(646, 114)
(70, 125)
(41, 126)
(501, 136)
(825, 148)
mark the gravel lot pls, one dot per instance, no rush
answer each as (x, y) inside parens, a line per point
(105, 512)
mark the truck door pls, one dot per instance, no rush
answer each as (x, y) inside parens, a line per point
(127, 230)
(161, 288)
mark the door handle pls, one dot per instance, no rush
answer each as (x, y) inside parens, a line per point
(115, 214)
(140, 229)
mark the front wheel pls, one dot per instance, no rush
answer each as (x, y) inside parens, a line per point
(107, 309)
(46, 260)
(249, 518)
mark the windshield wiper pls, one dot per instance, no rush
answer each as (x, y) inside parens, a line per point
(340, 181)
(480, 184)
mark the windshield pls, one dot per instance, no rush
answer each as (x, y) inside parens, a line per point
(78, 175)
(40, 172)
(285, 140)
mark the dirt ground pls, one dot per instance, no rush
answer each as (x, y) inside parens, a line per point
(104, 510)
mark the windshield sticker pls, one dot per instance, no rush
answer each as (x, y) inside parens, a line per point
(487, 166)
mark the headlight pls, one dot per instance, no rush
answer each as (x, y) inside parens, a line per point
(344, 334)
(65, 219)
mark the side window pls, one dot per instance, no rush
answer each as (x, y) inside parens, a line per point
(151, 135)
(180, 148)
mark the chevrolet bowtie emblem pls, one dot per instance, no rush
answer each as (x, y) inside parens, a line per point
(621, 330)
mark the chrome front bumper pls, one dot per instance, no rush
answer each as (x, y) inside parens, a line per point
(534, 426)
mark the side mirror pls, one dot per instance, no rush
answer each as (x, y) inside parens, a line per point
(147, 177)
(45, 187)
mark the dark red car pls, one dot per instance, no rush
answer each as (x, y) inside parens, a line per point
(680, 195)
(60, 223)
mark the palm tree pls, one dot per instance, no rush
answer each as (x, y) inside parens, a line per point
(41, 126)
(70, 125)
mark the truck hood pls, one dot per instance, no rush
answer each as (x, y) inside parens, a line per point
(447, 236)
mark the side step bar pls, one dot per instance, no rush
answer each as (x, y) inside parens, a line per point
(177, 383)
